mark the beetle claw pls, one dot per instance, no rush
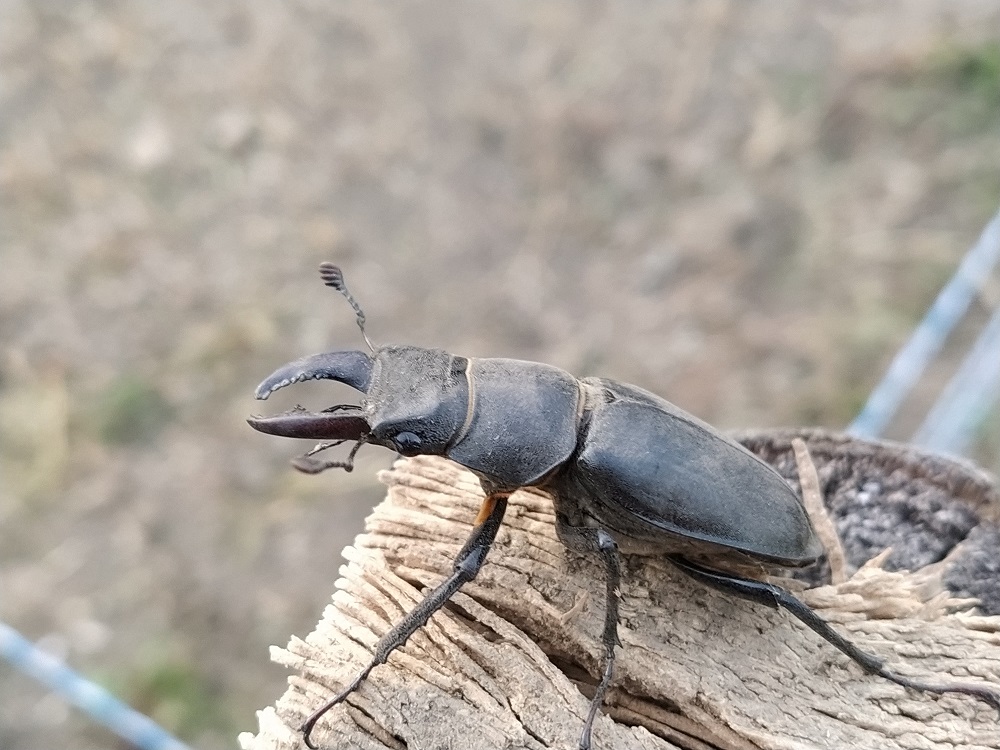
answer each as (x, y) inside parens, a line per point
(351, 367)
(299, 423)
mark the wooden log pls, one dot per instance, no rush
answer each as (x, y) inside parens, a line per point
(512, 661)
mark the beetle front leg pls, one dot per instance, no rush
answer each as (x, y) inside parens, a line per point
(468, 562)
(589, 540)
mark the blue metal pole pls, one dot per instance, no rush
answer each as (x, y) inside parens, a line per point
(970, 394)
(97, 702)
(949, 307)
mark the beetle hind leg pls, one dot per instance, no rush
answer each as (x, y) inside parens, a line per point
(776, 597)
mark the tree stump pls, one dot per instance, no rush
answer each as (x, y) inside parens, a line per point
(512, 661)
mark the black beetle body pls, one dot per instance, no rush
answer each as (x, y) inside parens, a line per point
(650, 472)
(624, 467)
(612, 455)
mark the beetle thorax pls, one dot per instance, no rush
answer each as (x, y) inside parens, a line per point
(522, 421)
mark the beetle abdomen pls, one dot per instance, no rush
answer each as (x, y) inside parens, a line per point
(663, 467)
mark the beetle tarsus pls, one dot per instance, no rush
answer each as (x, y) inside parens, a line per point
(776, 597)
(315, 716)
(309, 465)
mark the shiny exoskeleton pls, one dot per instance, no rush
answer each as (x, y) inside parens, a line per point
(626, 470)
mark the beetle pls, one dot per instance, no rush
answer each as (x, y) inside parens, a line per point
(626, 470)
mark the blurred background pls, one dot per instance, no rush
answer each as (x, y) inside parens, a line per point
(745, 207)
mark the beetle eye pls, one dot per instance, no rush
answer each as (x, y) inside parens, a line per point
(407, 443)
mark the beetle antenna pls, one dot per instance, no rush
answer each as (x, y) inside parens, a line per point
(333, 277)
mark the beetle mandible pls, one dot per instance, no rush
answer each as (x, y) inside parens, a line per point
(625, 469)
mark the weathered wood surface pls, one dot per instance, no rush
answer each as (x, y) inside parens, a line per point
(507, 667)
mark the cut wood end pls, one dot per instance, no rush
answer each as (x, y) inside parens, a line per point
(504, 667)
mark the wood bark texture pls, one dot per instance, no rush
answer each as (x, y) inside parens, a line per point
(512, 661)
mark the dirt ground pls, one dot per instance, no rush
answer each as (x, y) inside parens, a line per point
(745, 207)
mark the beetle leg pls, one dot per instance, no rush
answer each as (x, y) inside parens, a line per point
(589, 540)
(309, 465)
(468, 562)
(776, 597)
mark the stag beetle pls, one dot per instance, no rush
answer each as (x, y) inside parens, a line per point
(625, 469)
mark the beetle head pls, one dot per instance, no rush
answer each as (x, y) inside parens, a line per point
(415, 399)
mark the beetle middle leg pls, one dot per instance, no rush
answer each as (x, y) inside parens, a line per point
(468, 562)
(590, 540)
(776, 597)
